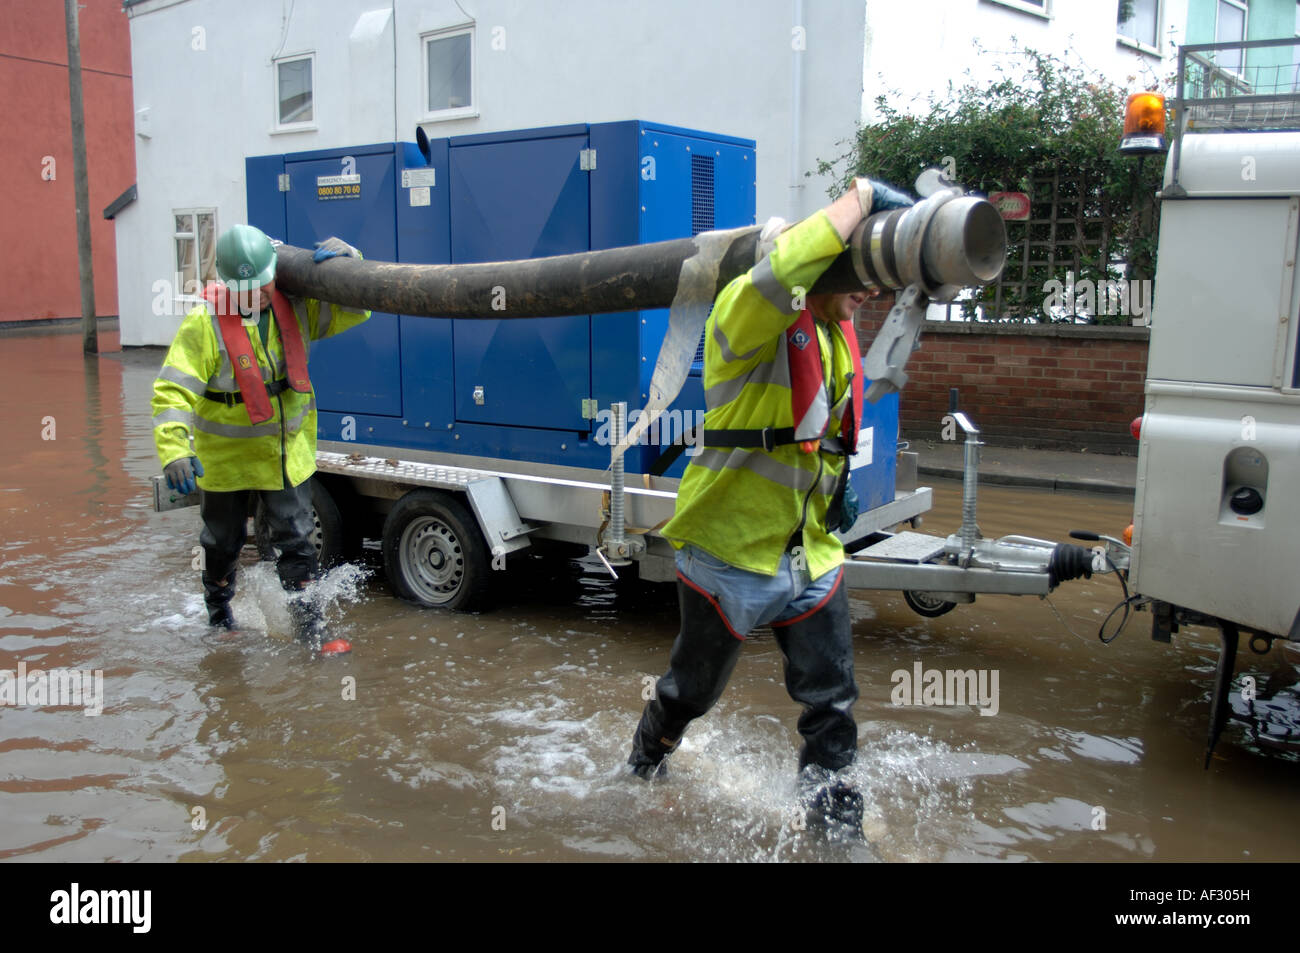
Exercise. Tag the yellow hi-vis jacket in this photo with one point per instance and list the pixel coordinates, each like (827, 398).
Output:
(235, 453)
(743, 505)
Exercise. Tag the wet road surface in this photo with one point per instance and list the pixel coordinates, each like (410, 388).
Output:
(501, 735)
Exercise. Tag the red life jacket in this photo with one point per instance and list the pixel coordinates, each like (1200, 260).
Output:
(243, 360)
(810, 404)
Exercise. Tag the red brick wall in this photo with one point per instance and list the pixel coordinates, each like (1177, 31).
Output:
(1058, 387)
(38, 227)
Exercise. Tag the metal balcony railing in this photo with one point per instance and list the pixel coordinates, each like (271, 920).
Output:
(1235, 87)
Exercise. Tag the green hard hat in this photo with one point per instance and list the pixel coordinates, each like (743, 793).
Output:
(245, 258)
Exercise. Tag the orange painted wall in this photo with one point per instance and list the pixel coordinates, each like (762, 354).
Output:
(38, 226)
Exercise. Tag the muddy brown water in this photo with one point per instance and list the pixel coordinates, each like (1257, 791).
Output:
(500, 736)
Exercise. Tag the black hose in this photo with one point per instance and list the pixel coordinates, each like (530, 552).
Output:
(608, 280)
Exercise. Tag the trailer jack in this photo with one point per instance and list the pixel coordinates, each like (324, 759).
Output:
(936, 574)
(616, 547)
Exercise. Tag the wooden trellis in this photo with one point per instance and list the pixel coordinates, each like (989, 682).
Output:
(1068, 235)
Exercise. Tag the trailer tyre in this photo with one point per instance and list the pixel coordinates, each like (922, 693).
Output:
(434, 554)
(352, 517)
(327, 537)
(927, 604)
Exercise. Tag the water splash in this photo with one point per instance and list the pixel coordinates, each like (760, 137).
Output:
(731, 793)
(262, 603)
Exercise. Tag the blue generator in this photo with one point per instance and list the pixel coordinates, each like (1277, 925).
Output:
(531, 389)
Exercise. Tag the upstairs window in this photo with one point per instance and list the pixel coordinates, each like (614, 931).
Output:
(449, 73)
(1139, 22)
(1039, 7)
(293, 91)
(1230, 27)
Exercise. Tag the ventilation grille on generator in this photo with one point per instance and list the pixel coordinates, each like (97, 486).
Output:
(698, 363)
(701, 194)
(701, 219)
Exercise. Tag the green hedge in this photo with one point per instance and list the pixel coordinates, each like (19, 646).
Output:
(1038, 116)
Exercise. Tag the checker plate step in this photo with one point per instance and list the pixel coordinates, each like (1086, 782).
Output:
(905, 547)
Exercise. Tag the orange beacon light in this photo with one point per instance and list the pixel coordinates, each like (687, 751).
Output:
(1144, 124)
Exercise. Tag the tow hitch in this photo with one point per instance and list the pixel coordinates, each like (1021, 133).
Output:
(936, 574)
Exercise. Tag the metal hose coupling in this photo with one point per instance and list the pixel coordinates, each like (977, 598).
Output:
(928, 252)
(942, 244)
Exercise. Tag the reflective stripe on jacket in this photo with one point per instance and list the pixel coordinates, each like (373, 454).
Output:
(237, 454)
(743, 505)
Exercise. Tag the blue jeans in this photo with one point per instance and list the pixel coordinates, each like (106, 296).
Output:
(747, 599)
(720, 605)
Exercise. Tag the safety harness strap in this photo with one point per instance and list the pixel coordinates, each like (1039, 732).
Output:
(234, 399)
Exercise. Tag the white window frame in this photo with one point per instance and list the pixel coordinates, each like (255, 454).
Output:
(1160, 22)
(456, 112)
(1044, 12)
(1295, 78)
(305, 125)
(1245, 32)
(183, 294)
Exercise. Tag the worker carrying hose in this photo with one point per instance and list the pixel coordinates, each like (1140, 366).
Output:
(235, 380)
(756, 506)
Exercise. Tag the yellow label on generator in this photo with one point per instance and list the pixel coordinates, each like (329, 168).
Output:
(338, 187)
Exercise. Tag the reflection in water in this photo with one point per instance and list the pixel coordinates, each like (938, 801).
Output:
(94, 435)
(501, 735)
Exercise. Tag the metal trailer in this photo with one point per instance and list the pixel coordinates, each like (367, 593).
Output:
(448, 522)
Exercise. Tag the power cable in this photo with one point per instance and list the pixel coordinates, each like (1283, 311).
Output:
(284, 32)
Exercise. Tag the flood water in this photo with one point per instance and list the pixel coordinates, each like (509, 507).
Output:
(501, 735)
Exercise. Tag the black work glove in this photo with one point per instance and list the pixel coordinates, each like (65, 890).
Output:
(842, 512)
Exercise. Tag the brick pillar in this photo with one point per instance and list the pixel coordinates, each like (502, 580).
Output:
(870, 317)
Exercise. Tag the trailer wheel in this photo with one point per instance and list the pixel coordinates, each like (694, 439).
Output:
(927, 604)
(327, 536)
(434, 554)
(352, 517)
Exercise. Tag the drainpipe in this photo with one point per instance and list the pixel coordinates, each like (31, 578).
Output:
(795, 212)
(392, 22)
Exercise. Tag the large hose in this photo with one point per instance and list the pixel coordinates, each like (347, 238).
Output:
(635, 278)
(960, 244)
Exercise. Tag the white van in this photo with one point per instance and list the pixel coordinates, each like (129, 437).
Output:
(1216, 534)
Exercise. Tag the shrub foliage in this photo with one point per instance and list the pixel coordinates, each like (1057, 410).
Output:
(1040, 121)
